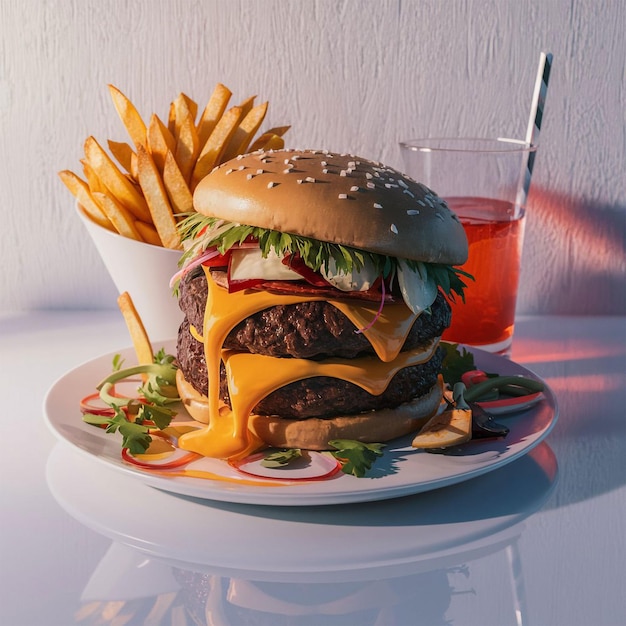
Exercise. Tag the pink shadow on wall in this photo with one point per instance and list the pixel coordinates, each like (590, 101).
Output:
(585, 243)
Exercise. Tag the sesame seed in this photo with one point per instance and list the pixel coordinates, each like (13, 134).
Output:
(259, 171)
(378, 206)
(310, 179)
(394, 229)
(401, 182)
(371, 186)
(270, 185)
(368, 175)
(412, 212)
(355, 188)
(286, 161)
(299, 181)
(343, 173)
(343, 196)
(230, 171)
(408, 192)
(324, 171)
(250, 176)
(421, 203)
(441, 217)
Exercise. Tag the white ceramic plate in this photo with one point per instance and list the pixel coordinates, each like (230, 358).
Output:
(401, 471)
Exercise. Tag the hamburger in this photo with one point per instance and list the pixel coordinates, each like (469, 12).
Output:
(314, 288)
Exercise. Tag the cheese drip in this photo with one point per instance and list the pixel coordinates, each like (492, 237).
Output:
(251, 379)
(367, 372)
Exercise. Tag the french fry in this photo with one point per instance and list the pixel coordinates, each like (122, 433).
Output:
(143, 197)
(160, 141)
(93, 210)
(246, 105)
(136, 329)
(187, 143)
(129, 115)
(267, 136)
(124, 155)
(273, 142)
(244, 133)
(215, 145)
(156, 197)
(120, 187)
(176, 186)
(148, 233)
(173, 122)
(80, 190)
(120, 217)
(213, 112)
(93, 182)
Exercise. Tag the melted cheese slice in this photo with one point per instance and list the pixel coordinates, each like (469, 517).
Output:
(253, 377)
(367, 372)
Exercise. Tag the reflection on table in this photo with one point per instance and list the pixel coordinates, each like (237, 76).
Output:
(414, 560)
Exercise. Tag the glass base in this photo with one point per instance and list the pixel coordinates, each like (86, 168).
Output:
(503, 348)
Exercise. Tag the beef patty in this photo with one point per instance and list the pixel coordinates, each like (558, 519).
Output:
(311, 330)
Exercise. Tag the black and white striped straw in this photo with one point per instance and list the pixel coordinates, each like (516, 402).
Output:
(534, 123)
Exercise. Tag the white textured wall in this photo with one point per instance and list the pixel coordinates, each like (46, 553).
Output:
(348, 75)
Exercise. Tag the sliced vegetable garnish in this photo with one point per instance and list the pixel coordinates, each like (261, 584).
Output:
(94, 405)
(176, 459)
(449, 428)
(484, 426)
(135, 417)
(511, 404)
(301, 466)
(508, 385)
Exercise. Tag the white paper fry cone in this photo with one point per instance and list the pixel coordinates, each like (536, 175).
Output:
(144, 271)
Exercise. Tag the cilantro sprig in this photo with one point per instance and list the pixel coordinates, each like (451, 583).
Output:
(200, 232)
(132, 418)
(356, 458)
(456, 362)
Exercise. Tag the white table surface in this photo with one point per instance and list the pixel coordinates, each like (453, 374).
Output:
(541, 541)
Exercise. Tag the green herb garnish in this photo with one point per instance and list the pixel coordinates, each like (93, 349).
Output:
(200, 232)
(281, 458)
(356, 458)
(134, 419)
(456, 362)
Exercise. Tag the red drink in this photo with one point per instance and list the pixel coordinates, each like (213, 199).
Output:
(495, 231)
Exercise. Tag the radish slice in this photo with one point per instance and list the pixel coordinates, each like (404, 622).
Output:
(94, 405)
(177, 459)
(311, 466)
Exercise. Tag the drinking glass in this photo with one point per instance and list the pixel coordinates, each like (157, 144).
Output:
(482, 180)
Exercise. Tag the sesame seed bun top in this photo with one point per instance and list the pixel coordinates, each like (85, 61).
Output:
(336, 198)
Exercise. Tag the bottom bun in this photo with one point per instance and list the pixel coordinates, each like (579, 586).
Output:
(315, 433)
